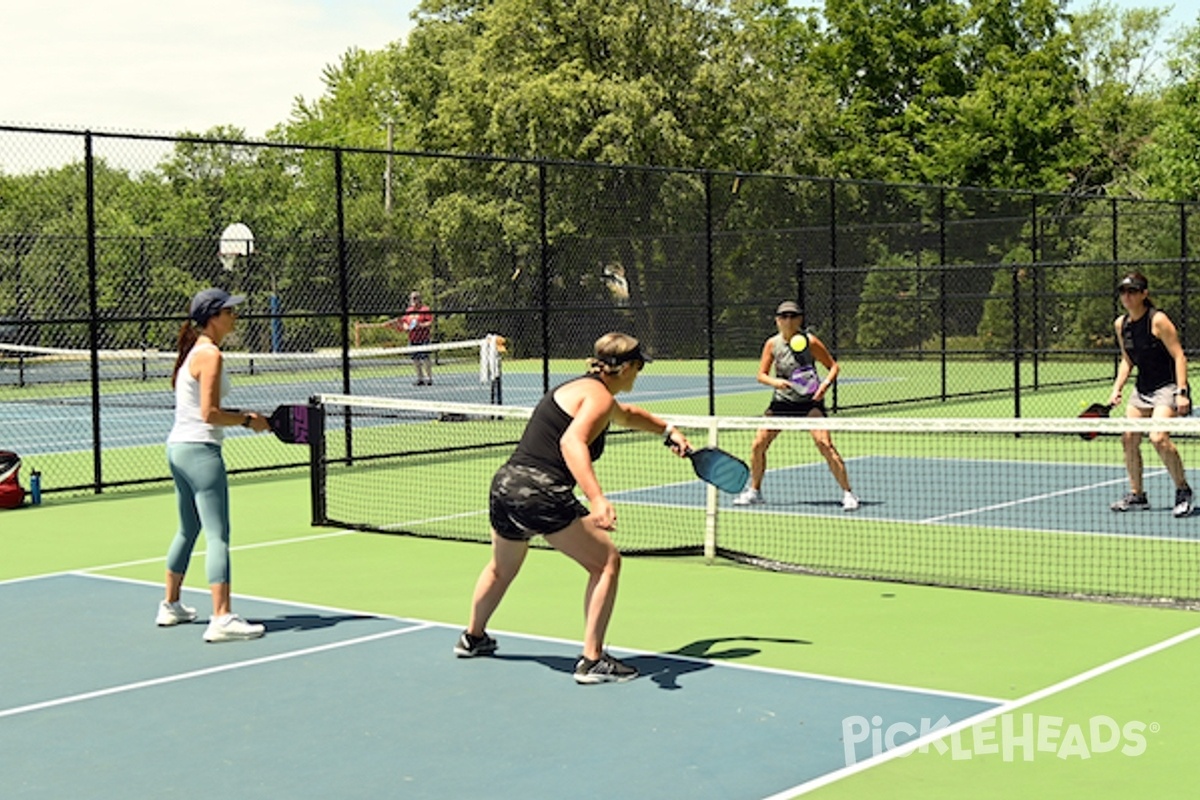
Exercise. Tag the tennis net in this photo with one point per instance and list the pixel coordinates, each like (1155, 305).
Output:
(1013, 505)
(463, 371)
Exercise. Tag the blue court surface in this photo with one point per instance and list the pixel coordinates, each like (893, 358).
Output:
(1032, 496)
(97, 702)
(137, 419)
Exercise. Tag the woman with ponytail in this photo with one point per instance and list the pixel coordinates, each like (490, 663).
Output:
(198, 467)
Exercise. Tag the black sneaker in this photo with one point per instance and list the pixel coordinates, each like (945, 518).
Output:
(469, 646)
(605, 669)
(1132, 502)
(1183, 502)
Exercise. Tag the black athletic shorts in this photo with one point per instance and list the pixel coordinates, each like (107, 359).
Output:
(526, 501)
(784, 408)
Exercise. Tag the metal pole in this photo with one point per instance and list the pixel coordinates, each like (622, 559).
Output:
(544, 278)
(942, 307)
(387, 171)
(93, 309)
(710, 298)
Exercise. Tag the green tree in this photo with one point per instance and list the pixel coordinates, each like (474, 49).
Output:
(1014, 127)
(1169, 164)
(897, 69)
(1119, 95)
(894, 310)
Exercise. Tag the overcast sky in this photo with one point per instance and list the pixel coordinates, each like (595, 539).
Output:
(165, 66)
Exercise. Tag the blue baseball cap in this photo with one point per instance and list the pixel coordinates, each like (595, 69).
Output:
(210, 302)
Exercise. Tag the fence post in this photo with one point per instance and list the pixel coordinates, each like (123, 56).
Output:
(710, 296)
(1034, 293)
(1115, 216)
(544, 277)
(942, 287)
(1183, 270)
(833, 265)
(343, 292)
(89, 177)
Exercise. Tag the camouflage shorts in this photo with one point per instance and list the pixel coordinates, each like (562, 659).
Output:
(526, 501)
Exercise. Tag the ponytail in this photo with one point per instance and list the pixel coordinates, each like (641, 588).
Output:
(187, 340)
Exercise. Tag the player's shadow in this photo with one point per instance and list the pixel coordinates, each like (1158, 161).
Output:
(831, 504)
(703, 648)
(557, 663)
(666, 671)
(310, 622)
(698, 656)
(662, 669)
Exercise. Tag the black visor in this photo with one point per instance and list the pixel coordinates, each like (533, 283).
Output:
(635, 354)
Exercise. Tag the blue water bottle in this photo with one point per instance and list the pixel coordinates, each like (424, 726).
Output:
(35, 488)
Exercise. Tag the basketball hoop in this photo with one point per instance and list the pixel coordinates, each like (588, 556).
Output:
(236, 241)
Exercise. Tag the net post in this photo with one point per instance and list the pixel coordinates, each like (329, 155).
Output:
(711, 504)
(316, 462)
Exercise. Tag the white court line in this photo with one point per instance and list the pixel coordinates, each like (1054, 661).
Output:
(199, 673)
(426, 624)
(797, 511)
(1032, 499)
(234, 548)
(257, 598)
(934, 736)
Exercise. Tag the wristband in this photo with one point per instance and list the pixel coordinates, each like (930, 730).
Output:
(667, 432)
(246, 420)
(1183, 391)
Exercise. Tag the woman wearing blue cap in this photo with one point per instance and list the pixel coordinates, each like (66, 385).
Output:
(198, 468)
(534, 493)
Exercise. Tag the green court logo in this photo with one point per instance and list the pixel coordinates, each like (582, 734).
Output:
(1011, 737)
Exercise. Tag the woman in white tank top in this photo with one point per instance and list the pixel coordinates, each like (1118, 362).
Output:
(198, 467)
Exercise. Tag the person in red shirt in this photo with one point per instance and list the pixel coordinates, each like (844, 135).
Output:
(418, 322)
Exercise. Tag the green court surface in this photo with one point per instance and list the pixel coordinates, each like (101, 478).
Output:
(1066, 673)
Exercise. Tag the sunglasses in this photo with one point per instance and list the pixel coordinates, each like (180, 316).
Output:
(1130, 290)
(788, 315)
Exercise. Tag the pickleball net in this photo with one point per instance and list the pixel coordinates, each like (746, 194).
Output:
(1011, 505)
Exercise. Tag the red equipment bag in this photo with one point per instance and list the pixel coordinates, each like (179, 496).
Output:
(11, 492)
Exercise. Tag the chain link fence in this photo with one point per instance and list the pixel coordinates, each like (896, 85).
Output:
(925, 294)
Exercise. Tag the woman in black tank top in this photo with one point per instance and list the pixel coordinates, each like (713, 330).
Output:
(534, 493)
(1149, 341)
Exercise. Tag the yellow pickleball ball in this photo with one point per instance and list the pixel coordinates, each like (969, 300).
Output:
(798, 342)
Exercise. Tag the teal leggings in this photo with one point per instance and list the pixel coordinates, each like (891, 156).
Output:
(202, 494)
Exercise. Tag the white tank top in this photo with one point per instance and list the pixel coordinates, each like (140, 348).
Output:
(189, 425)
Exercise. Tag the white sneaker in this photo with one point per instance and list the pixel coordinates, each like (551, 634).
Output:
(750, 497)
(232, 628)
(849, 502)
(1183, 502)
(173, 614)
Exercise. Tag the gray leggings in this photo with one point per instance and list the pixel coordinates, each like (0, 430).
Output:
(202, 494)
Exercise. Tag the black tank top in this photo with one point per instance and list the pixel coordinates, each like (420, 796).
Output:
(1155, 366)
(540, 444)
